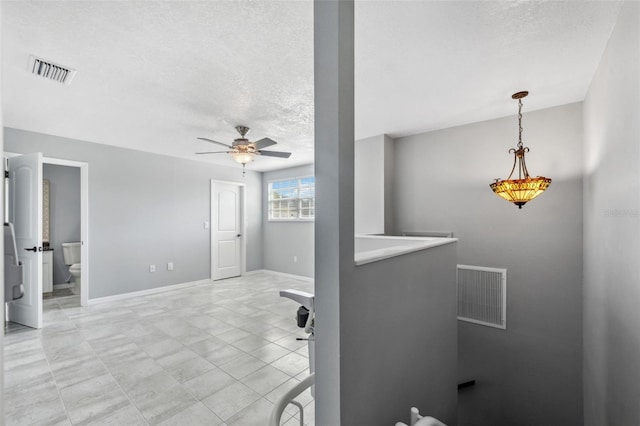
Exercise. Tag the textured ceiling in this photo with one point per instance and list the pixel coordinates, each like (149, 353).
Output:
(153, 76)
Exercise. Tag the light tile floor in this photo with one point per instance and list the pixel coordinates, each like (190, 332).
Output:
(214, 354)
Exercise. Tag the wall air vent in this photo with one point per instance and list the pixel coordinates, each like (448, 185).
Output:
(482, 295)
(51, 71)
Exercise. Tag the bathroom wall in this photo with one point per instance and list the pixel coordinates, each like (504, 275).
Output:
(531, 373)
(64, 213)
(285, 239)
(612, 230)
(147, 209)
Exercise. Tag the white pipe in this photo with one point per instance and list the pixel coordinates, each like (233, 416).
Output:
(285, 399)
(429, 421)
(418, 420)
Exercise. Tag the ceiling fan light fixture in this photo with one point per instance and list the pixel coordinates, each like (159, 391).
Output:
(244, 151)
(243, 157)
(524, 189)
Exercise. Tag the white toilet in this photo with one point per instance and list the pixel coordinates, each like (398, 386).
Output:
(71, 253)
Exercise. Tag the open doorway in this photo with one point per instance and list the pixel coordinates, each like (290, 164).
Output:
(61, 234)
(30, 202)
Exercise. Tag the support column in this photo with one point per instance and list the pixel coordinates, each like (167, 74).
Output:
(2, 305)
(334, 229)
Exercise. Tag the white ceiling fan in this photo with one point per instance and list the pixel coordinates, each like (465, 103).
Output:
(243, 150)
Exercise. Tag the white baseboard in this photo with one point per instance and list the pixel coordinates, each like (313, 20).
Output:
(280, 274)
(64, 285)
(147, 292)
(255, 272)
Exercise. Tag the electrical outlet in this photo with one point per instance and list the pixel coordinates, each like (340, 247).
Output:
(152, 268)
(295, 259)
(170, 266)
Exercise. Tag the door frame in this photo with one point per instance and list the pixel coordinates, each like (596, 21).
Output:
(242, 188)
(84, 217)
(84, 221)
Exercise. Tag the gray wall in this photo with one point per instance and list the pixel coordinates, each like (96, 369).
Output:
(373, 185)
(373, 207)
(357, 369)
(529, 374)
(334, 129)
(389, 185)
(612, 231)
(64, 213)
(146, 209)
(399, 339)
(285, 239)
(368, 185)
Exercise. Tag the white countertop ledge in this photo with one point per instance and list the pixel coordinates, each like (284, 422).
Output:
(373, 248)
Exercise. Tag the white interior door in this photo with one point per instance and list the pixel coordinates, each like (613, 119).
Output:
(226, 230)
(25, 212)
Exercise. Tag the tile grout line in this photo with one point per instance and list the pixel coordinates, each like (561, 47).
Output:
(114, 379)
(231, 306)
(198, 401)
(46, 357)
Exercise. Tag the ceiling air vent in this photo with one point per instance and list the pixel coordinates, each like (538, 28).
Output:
(51, 71)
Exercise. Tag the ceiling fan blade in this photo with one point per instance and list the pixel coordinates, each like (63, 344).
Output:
(275, 154)
(264, 142)
(213, 152)
(212, 141)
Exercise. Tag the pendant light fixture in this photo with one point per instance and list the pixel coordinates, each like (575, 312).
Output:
(525, 188)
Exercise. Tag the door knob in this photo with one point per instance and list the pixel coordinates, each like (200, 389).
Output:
(239, 235)
(34, 249)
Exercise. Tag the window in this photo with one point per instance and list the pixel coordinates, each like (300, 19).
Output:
(292, 199)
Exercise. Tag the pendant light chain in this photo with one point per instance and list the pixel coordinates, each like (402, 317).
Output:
(525, 188)
(519, 123)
